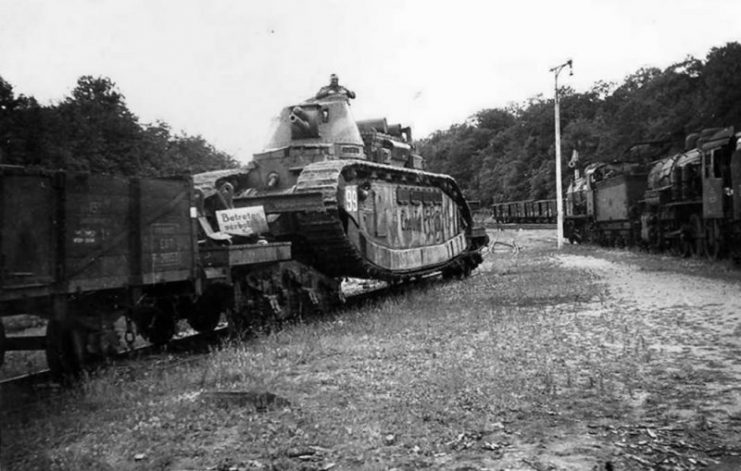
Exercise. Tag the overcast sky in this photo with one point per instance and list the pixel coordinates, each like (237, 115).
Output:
(223, 69)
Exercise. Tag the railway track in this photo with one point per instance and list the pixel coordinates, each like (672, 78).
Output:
(21, 391)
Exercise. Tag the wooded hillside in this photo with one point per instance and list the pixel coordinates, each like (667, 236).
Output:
(93, 130)
(506, 154)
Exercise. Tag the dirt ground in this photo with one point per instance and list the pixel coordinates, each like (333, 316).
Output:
(578, 359)
(684, 317)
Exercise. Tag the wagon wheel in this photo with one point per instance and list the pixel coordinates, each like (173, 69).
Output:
(697, 235)
(2, 343)
(678, 246)
(713, 239)
(619, 241)
(684, 248)
(693, 237)
(573, 234)
(65, 348)
(156, 323)
(207, 311)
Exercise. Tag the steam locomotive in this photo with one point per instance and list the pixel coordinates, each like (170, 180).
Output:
(687, 203)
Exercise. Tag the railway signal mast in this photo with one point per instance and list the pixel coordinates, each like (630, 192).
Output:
(559, 192)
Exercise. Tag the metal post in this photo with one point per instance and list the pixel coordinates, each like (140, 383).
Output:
(559, 192)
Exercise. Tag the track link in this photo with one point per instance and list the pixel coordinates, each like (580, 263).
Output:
(334, 253)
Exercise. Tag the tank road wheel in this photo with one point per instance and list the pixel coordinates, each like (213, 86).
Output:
(65, 348)
(156, 323)
(713, 239)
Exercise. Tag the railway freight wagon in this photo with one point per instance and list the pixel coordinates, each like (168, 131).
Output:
(86, 250)
(79, 249)
(528, 212)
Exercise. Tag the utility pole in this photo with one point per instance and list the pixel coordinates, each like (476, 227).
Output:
(559, 192)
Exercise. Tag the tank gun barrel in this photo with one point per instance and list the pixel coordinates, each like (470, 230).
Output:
(300, 119)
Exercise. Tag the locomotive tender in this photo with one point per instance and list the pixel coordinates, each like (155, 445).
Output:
(329, 198)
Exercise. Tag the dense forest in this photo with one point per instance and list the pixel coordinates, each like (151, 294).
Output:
(506, 154)
(92, 130)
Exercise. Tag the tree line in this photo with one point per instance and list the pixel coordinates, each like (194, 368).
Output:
(507, 154)
(93, 130)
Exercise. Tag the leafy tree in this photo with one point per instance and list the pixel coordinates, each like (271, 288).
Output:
(94, 130)
(506, 154)
(721, 75)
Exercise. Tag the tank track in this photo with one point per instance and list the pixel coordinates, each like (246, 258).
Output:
(329, 249)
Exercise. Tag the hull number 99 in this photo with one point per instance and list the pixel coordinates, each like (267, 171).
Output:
(351, 198)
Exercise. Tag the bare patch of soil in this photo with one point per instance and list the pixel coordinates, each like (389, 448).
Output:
(689, 328)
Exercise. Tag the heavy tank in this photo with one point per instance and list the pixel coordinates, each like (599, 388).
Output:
(351, 196)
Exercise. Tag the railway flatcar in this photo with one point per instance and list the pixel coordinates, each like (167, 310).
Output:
(328, 198)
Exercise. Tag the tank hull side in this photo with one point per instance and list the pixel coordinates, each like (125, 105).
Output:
(386, 222)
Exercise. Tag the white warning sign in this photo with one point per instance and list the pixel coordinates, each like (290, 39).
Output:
(242, 221)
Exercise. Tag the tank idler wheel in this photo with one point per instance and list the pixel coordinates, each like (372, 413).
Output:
(2, 343)
(65, 348)
(155, 324)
